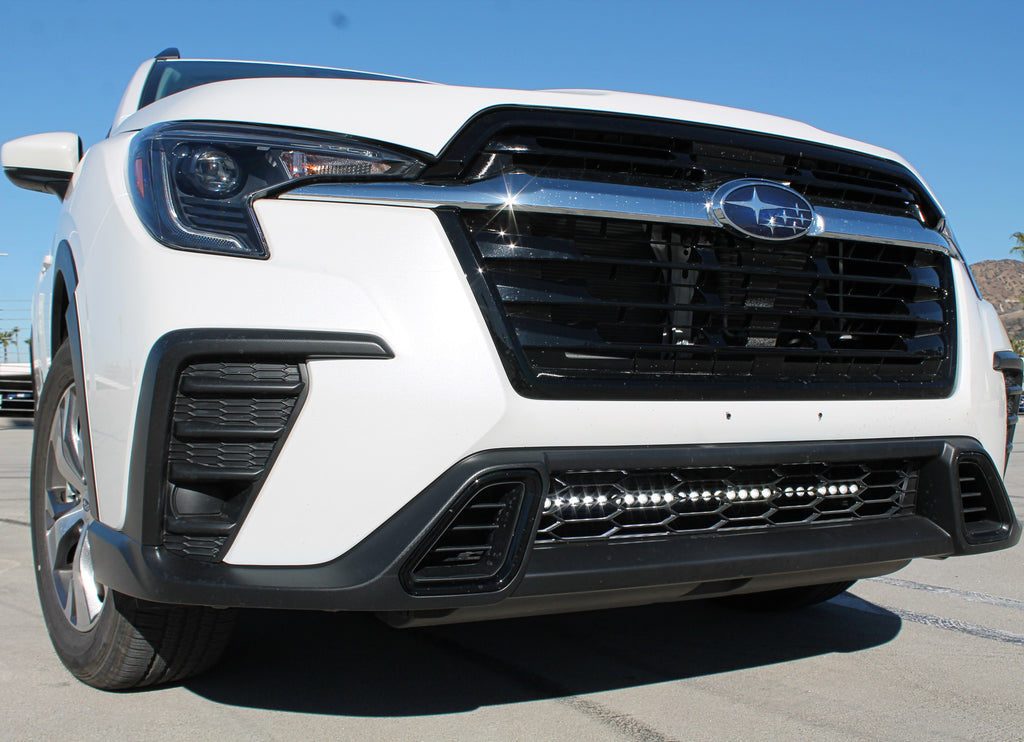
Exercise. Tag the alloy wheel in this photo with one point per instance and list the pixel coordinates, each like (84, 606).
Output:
(68, 517)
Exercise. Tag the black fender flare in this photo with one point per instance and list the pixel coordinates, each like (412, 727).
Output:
(64, 326)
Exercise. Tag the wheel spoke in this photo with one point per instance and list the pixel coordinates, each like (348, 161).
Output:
(66, 444)
(68, 521)
(64, 583)
(88, 599)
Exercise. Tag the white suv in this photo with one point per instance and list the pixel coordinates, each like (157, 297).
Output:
(320, 339)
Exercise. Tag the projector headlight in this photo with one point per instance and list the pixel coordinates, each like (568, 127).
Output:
(193, 183)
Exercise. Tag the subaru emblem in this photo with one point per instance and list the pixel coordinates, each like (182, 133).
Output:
(763, 209)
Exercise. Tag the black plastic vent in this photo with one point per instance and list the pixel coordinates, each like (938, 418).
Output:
(229, 421)
(982, 518)
(478, 548)
(618, 504)
(695, 312)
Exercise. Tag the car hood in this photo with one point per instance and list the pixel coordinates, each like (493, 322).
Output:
(425, 116)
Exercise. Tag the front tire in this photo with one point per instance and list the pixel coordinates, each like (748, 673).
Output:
(107, 640)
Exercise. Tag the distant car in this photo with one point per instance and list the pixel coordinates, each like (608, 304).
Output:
(16, 394)
(321, 339)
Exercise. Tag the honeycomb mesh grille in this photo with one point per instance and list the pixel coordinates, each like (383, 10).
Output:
(618, 504)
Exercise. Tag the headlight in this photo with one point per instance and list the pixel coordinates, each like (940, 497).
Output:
(193, 183)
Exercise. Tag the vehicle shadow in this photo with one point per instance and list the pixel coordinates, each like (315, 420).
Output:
(352, 665)
(16, 420)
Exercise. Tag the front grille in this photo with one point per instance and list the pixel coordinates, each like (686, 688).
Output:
(620, 504)
(229, 420)
(676, 155)
(699, 311)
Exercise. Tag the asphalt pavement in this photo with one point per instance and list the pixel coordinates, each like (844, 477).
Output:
(935, 651)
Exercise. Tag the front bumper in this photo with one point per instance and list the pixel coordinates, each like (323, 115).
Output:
(374, 576)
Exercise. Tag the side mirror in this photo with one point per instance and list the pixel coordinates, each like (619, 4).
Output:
(42, 162)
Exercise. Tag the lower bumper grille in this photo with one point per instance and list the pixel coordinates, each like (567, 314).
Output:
(588, 505)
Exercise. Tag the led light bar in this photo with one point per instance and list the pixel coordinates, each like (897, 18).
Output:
(749, 493)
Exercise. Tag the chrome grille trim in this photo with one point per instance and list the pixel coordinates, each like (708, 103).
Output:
(520, 192)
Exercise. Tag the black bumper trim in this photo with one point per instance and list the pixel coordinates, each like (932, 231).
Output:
(367, 578)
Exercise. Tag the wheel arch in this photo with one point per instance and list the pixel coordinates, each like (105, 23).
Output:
(64, 327)
(64, 311)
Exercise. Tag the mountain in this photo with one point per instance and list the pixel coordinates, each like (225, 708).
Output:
(1001, 282)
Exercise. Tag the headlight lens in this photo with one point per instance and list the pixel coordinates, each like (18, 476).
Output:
(193, 183)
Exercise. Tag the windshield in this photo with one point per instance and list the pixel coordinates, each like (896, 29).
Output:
(170, 76)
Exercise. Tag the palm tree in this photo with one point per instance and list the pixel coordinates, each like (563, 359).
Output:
(14, 339)
(1018, 246)
(5, 339)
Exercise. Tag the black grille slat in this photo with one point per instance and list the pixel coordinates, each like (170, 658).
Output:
(520, 296)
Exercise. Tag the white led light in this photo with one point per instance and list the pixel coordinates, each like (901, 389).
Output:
(667, 497)
(822, 490)
(628, 499)
(741, 494)
(547, 503)
(588, 500)
(705, 495)
(574, 500)
(789, 491)
(833, 490)
(601, 499)
(642, 499)
(843, 489)
(853, 489)
(744, 493)
(655, 499)
(730, 495)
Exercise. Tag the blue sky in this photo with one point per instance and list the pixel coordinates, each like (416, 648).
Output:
(940, 82)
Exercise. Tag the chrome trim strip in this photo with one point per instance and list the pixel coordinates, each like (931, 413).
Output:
(528, 194)
(892, 230)
(525, 193)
